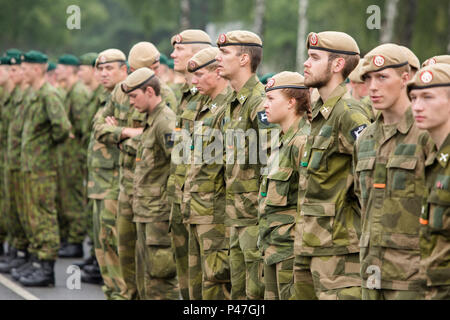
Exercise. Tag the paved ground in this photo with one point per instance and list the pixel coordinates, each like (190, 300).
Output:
(65, 279)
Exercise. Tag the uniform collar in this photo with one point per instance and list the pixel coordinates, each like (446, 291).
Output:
(443, 155)
(292, 131)
(151, 116)
(325, 108)
(404, 124)
(246, 90)
(214, 104)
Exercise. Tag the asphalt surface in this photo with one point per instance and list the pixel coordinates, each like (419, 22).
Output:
(67, 286)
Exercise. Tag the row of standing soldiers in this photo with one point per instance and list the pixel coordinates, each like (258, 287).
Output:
(331, 206)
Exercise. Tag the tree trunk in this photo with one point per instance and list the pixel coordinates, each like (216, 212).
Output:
(301, 34)
(388, 28)
(260, 9)
(185, 22)
(409, 23)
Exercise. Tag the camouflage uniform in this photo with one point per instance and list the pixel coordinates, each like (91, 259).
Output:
(277, 210)
(328, 226)
(203, 204)
(119, 107)
(245, 112)
(175, 183)
(169, 96)
(73, 168)
(389, 163)
(435, 225)
(45, 125)
(4, 95)
(103, 191)
(17, 222)
(156, 272)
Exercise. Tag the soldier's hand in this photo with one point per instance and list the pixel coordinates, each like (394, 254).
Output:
(111, 121)
(131, 132)
(71, 135)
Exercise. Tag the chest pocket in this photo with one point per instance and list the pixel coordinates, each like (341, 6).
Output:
(401, 176)
(278, 187)
(364, 169)
(439, 216)
(318, 150)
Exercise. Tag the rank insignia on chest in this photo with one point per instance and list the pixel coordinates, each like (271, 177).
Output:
(262, 116)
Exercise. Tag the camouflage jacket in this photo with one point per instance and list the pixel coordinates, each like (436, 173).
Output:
(14, 139)
(150, 203)
(127, 117)
(184, 124)
(244, 116)
(278, 195)
(45, 125)
(389, 162)
(76, 103)
(103, 163)
(7, 114)
(169, 96)
(435, 219)
(96, 101)
(329, 219)
(204, 188)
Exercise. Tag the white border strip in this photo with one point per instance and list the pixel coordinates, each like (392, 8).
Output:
(17, 289)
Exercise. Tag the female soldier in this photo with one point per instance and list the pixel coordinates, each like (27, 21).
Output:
(287, 104)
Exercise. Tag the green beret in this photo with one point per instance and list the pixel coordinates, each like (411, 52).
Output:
(5, 60)
(16, 53)
(163, 59)
(34, 56)
(88, 59)
(69, 60)
(266, 77)
(51, 66)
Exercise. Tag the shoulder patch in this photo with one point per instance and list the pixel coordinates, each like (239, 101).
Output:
(262, 117)
(168, 138)
(357, 131)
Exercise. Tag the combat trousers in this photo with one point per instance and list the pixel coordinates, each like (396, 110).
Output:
(3, 228)
(105, 245)
(246, 264)
(387, 294)
(333, 277)
(180, 242)
(437, 293)
(40, 210)
(89, 215)
(278, 280)
(126, 235)
(209, 267)
(15, 219)
(156, 275)
(72, 193)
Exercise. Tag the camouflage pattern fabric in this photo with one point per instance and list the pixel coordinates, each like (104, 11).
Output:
(389, 162)
(435, 225)
(278, 280)
(169, 96)
(179, 231)
(328, 223)
(203, 204)
(74, 167)
(45, 125)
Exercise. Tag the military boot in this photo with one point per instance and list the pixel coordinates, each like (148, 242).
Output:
(91, 274)
(2, 250)
(20, 258)
(71, 250)
(41, 275)
(24, 269)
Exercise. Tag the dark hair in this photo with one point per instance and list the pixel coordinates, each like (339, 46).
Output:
(154, 83)
(303, 100)
(255, 54)
(351, 61)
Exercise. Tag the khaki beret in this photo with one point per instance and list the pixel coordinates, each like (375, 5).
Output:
(355, 76)
(202, 59)
(436, 75)
(191, 36)
(437, 59)
(137, 79)
(385, 56)
(286, 80)
(413, 61)
(143, 54)
(110, 55)
(332, 41)
(239, 38)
